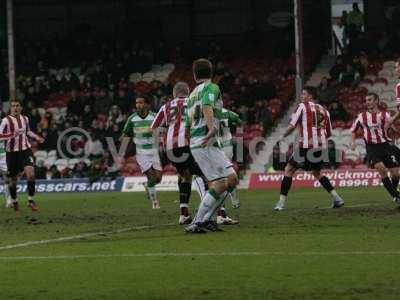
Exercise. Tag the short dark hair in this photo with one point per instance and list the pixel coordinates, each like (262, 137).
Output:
(145, 98)
(311, 90)
(375, 95)
(202, 68)
(15, 100)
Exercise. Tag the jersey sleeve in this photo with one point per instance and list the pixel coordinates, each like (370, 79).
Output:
(5, 132)
(233, 118)
(295, 118)
(128, 128)
(356, 124)
(159, 119)
(210, 95)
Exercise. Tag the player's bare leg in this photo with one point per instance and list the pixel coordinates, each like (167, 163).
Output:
(30, 176)
(286, 184)
(153, 178)
(387, 183)
(185, 189)
(337, 201)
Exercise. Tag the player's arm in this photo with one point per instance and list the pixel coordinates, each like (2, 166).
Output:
(32, 134)
(4, 134)
(389, 123)
(294, 119)
(127, 131)
(159, 120)
(353, 130)
(233, 119)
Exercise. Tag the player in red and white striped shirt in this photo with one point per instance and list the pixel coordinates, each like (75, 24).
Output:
(380, 154)
(172, 115)
(397, 89)
(19, 154)
(314, 124)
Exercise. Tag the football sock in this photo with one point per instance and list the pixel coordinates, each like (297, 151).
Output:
(151, 188)
(220, 201)
(206, 205)
(389, 187)
(200, 186)
(395, 182)
(326, 184)
(184, 207)
(31, 189)
(235, 198)
(13, 191)
(286, 185)
(6, 189)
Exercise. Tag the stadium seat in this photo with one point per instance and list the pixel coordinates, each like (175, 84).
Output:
(61, 164)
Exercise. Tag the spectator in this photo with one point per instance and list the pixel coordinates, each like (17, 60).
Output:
(53, 173)
(326, 93)
(115, 117)
(123, 100)
(338, 68)
(349, 77)
(345, 26)
(46, 120)
(75, 105)
(337, 112)
(266, 88)
(94, 148)
(355, 21)
(102, 102)
(80, 170)
(69, 81)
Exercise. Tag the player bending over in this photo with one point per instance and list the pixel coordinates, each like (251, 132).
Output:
(204, 111)
(138, 126)
(19, 156)
(380, 154)
(314, 123)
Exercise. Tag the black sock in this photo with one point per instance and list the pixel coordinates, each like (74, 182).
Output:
(31, 188)
(326, 184)
(389, 187)
(395, 182)
(185, 189)
(13, 191)
(285, 185)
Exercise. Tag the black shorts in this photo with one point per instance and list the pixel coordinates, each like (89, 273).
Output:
(308, 159)
(184, 160)
(386, 153)
(18, 160)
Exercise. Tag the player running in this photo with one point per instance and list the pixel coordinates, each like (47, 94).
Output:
(138, 126)
(19, 156)
(380, 154)
(204, 113)
(314, 123)
(173, 116)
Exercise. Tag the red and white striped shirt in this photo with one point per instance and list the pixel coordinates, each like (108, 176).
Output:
(373, 126)
(397, 91)
(173, 116)
(11, 124)
(314, 123)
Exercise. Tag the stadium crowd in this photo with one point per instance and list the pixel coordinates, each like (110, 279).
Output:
(91, 85)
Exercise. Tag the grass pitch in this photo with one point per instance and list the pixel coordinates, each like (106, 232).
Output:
(128, 251)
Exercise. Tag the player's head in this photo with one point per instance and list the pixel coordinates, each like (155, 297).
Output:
(202, 69)
(142, 104)
(397, 67)
(15, 107)
(372, 101)
(181, 89)
(308, 94)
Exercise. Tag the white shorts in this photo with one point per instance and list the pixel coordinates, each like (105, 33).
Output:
(3, 164)
(213, 163)
(148, 160)
(228, 150)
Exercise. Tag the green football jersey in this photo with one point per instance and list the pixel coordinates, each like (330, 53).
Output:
(229, 119)
(206, 93)
(140, 129)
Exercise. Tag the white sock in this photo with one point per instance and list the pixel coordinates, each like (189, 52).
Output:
(152, 193)
(208, 216)
(235, 198)
(282, 200)
(334, 194)
(7, 193)
(200, 186)
(206, 207)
